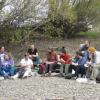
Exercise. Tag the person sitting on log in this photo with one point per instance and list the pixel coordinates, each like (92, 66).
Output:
(65, 60)
(51, 61)
(78, 66)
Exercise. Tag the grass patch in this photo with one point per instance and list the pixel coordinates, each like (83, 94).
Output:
(90, 34)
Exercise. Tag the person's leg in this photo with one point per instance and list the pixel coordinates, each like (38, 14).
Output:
(47, 68)
(50, 68)
(70, 68)
(3, 71)
(61, 69)
(27, 73)
(66, 69)
(83, 71)
(37, 61)
(12, 71)
(19, 73)
(94, 73)
(87, 72)
(77, 70)
(15, 76)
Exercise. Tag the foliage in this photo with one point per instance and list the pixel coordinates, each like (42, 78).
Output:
(65, 18)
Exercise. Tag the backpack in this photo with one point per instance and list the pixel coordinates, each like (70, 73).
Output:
(41, 68)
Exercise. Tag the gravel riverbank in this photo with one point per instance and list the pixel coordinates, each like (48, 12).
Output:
(47, 88)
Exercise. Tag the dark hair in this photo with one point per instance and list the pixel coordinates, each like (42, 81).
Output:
(78, 52)
(89, 59)
(63, 50)
(26, 54)
(81, 54)
(63, 47)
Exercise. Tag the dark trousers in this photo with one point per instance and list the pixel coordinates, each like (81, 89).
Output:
(50, 67)
(78, 70)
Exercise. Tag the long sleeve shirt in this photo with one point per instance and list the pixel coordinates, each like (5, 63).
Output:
(8, 63)
(82, 61)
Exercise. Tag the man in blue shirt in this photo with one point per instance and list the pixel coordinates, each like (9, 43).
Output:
(78, 66)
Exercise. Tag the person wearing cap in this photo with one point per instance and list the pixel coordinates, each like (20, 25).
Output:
(92, 53)
(95, 56)
(26, 65)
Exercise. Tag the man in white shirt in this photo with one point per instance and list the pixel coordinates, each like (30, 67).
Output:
(26, 65)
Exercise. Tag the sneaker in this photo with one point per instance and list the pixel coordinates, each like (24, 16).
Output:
(14, 77)
(1, 78)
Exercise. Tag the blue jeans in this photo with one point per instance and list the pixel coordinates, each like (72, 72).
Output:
(7, 71)
(37, 61)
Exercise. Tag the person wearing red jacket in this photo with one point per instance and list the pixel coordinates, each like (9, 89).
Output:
(65, 60)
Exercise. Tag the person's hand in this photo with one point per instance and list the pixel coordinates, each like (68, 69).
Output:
(30, 56)
(75, 64)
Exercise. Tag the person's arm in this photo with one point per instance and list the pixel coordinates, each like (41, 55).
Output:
(56, 58)
(82, 62)
(35, 55)
(31, 64)
(11, 62)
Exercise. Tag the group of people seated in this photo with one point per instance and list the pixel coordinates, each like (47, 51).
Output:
(81, 65)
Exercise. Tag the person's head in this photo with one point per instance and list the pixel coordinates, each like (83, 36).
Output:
(91, 49)
(63, 47)
(6, 57)
(26, 56)
(32, 46)
(51, 50)
(63, 50)
(87, 43)
(77, 53)
(10, 55)
(81, 55)
(2, 49)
